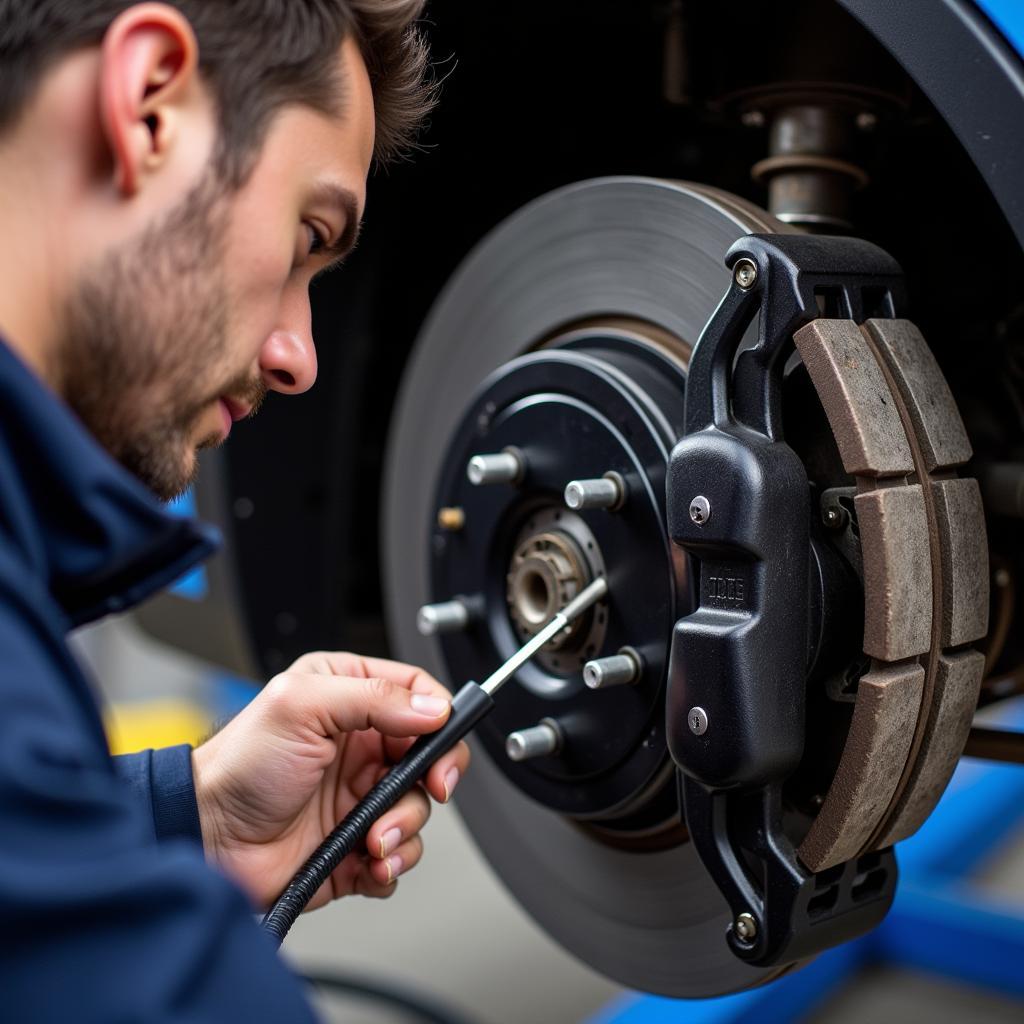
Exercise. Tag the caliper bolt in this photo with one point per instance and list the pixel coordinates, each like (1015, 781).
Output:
(446, 617)
(745, 273)
(834, 517)
(746, 927)
(608, 492)
(616, 670)
(700, 510)
(500, 468)
(697, 719)
(537, 741)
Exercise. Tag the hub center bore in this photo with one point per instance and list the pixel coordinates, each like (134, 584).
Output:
(545, 575)
(548, 568)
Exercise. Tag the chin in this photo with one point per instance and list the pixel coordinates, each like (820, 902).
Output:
(176, 485)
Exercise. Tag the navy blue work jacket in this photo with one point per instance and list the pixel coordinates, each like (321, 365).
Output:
(108, 912)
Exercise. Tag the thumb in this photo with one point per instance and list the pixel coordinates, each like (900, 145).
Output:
(343, 704)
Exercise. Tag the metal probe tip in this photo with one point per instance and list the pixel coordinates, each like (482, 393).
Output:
(587, 597)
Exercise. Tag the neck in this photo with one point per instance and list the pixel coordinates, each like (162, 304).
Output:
(28, 300)
(41, 176)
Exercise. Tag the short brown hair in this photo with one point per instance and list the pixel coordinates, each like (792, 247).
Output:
(256, 56)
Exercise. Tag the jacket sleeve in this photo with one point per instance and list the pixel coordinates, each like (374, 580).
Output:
(161, 781)
(102, 920)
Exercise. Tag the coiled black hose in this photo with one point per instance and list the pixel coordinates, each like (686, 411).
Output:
(469, 705)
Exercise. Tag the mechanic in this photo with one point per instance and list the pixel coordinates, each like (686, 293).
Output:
(173, 177)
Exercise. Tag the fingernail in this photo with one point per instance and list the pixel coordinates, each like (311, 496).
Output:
(389, 841)
(451, 780)
(433, 707)
(394, 867)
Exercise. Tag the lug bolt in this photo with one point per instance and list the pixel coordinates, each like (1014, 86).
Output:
(446, 617)
(745, 273)
(500, 468)
(697, 720)
(745, 927)
(537, 741)
(451, 519)
(616, 670)
(700, 510)
(607, 492)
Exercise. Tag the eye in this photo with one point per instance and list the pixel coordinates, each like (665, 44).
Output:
(317, 240)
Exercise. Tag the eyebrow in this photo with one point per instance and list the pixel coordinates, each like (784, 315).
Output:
(345, 201)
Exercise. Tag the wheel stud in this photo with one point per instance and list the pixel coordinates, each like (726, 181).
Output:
(537, 741)
(505, 467)
(446, 617)
(616, 670)
(607, 492)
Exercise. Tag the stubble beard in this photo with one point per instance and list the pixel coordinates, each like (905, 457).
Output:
(145, 336)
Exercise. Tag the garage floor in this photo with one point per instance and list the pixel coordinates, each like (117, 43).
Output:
(452, 932)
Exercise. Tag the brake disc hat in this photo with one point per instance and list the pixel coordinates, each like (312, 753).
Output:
(640, 249)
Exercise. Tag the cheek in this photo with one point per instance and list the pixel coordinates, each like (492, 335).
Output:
(258, 293)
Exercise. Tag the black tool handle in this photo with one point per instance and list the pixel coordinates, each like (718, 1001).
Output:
(469, 705)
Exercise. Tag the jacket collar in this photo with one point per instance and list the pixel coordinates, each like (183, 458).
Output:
(88, 529)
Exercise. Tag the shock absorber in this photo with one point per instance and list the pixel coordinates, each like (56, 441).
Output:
(810, 172)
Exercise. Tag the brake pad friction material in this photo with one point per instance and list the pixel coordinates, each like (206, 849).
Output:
(874, 755)
(937, 425)
(856, 399)
(957, 684)
(894, 543)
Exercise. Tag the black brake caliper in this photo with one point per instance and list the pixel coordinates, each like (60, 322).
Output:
(739, 503)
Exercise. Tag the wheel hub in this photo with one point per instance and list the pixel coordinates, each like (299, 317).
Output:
(589, 403)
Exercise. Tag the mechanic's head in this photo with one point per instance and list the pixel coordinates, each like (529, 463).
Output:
(172, 176)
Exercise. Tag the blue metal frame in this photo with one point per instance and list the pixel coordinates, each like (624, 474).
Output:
(939, 922)
(1008, 17)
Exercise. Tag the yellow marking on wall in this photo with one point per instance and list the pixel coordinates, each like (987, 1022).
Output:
(156, 723)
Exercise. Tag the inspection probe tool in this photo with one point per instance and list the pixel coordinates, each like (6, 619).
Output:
(469, 706)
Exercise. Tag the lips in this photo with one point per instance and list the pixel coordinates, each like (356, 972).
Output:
(226, 416)
(236, 410)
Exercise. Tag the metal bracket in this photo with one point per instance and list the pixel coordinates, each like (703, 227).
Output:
(739, 503)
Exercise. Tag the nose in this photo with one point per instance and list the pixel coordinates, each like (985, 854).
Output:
(288, 362)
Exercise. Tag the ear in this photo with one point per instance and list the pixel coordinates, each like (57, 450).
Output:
(149, 67)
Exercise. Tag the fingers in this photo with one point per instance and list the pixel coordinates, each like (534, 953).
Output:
(403, 821)
(379, 874)
(367, 885)
(354, 877)
(335, 704)
(393, 847)
(343, 663)
(444, 775)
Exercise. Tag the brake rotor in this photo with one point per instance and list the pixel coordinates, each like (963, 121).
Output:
(608, 284)
(636, 250)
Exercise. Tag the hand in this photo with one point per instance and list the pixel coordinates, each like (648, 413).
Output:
(282, 774)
